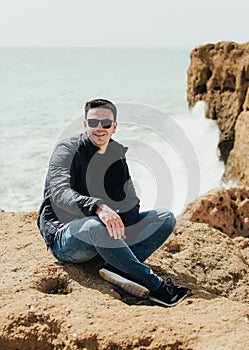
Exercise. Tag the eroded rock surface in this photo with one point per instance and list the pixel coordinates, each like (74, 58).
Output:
(48, 305)
(224, 209)
(219, 75)
(237, 167)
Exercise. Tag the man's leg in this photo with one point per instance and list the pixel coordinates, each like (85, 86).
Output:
(152, 230)
(70, 249)
(81, 240)
(155, 228)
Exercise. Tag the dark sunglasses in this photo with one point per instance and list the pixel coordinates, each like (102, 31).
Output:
(105, 123)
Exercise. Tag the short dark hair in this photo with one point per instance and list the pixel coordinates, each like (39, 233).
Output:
(101, 103)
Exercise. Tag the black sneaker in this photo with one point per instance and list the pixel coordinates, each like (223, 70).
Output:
(168, 294)
(121, 279)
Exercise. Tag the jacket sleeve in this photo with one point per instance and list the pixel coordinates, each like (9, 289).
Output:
(62, 195)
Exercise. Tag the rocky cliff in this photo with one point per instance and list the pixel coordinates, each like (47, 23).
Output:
(219, 75)
(47, 305)
(237, 167)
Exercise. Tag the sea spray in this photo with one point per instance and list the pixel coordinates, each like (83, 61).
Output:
(202, 134)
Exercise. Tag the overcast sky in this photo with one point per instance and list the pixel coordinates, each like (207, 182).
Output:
(122, 23)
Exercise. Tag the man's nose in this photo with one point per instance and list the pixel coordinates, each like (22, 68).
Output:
(99, 126)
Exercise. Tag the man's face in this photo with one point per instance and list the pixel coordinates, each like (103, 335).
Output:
(98, 135)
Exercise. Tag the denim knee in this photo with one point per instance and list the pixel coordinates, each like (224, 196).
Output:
(171, 221)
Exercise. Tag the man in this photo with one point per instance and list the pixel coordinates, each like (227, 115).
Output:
(90, 207)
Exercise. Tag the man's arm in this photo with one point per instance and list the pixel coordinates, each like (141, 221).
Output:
(62, 195)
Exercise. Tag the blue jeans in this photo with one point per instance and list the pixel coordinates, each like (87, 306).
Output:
(81, 240)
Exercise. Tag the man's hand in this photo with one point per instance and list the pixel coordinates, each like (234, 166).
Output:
(112, 221)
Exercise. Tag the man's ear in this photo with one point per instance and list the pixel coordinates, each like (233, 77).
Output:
(85, 124)
(115, 124)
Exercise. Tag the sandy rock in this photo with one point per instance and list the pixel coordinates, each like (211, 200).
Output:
(237, 167)
(219, 75)
(243, 244)
(208, 258)
(224, 209)
(48, 305)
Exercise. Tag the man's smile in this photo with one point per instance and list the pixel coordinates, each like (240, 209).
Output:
(100, 134)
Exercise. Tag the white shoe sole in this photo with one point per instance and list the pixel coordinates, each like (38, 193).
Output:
(129, 286)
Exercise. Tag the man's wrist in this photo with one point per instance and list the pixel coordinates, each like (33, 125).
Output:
(99, 208)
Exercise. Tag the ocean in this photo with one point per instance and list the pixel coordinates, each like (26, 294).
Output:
(172, 152)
